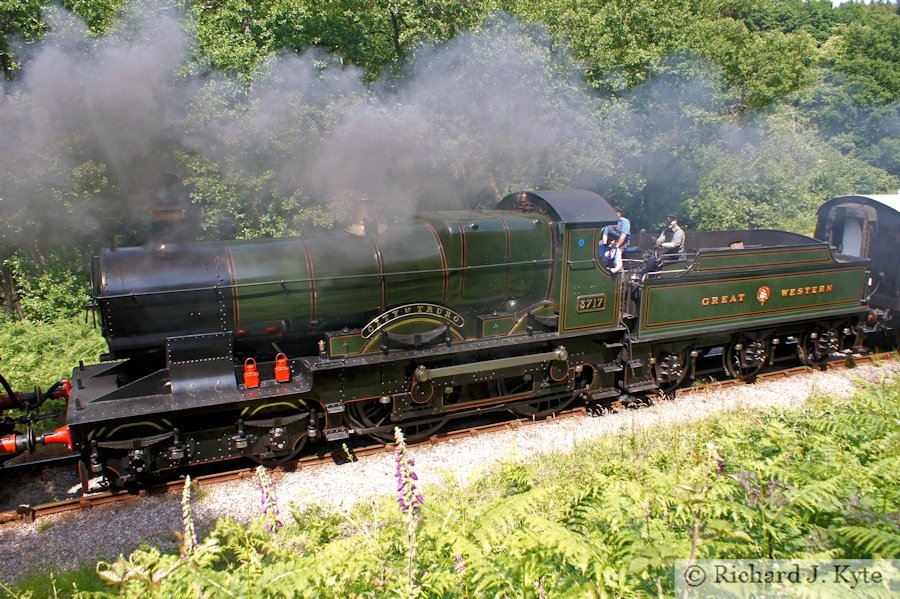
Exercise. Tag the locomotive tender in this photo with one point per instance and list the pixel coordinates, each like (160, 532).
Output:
(256, 348)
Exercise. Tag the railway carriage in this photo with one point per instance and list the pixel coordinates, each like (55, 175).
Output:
(868, 226)
(256, 348)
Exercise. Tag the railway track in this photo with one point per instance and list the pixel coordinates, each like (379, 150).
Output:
(345, 454)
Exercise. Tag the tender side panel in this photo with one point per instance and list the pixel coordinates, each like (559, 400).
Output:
(678, 306)
(762, 257)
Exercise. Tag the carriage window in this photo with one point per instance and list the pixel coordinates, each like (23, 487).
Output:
(851, 243)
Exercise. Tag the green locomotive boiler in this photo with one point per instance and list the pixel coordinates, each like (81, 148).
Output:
(257, 348)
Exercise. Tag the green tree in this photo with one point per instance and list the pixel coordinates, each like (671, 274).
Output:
(22, 19)
(238, 35)
(620, 40)
(758, 68)
(775, 175)
(98, 15)
(857, 105)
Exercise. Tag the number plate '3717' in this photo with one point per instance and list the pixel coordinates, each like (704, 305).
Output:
(591, 303)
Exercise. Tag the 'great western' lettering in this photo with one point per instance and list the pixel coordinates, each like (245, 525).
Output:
(715, 300)
(792, 291)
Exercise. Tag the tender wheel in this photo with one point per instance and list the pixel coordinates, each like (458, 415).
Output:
(371, 414)
(670, 370)
(743, 360)
(815, 347)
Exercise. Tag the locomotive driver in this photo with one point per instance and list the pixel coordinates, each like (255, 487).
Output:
(671, 240)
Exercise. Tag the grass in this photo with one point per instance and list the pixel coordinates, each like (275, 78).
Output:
(39, 353)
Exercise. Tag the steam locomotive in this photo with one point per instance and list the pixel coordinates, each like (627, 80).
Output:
(257, 348)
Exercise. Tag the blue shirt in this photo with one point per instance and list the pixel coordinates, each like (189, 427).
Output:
(623, 226)
(611, 257)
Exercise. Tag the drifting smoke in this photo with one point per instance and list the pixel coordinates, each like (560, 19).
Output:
(105, 119)
(91, 112)
(92, 128)
(481, 115)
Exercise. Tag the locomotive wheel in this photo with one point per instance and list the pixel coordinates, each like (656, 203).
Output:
(538, 408)
(297, 448)
(541, 408)
(298, 435)
(370, 414)
(115, 465)
(545, 406)
(744, 360)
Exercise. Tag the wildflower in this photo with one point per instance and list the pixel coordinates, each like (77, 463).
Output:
(459, 564)
(408, 497)
(189, 536)
(540, 587)
(410, 500)
(269, 503)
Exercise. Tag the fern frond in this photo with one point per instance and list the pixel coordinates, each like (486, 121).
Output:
(873, 541)
(816, 496)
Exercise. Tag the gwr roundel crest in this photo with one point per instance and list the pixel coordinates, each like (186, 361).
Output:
(763, 294)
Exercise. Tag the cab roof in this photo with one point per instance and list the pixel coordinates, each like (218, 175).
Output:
(575, 207)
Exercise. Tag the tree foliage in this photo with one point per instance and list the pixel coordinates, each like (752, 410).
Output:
(20, 19)
(238, 35)
(773, 175)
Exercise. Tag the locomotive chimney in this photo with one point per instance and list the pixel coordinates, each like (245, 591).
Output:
(365, 222)
(167, 229)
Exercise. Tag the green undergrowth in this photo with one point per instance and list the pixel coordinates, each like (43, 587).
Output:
(608, 518)
(41, 353)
